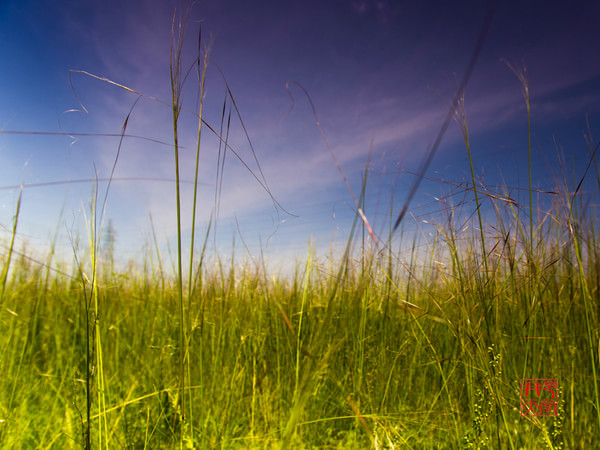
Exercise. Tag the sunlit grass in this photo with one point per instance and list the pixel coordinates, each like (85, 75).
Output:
(406, 353)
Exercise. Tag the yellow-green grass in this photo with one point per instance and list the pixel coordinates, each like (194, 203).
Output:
(408, 347)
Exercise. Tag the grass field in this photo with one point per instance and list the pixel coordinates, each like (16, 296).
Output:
(420, 344)
(409, 347)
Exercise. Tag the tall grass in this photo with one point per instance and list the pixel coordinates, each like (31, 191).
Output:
(412, 376)
(177, 80)
(376, 354)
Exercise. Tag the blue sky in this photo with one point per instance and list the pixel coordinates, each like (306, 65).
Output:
(381, 74)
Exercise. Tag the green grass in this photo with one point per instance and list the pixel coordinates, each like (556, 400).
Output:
(419, 344)
(334, 356)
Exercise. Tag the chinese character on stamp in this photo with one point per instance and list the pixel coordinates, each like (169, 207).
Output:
(539, 397)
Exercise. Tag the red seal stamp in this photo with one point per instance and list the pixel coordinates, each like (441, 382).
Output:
(539, 397)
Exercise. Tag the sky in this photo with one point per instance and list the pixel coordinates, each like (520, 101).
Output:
(381, 75)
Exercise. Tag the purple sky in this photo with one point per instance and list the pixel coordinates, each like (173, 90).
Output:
(384, 71)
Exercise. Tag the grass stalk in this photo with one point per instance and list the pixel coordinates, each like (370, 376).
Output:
(175, 65)
(462, 118)
(10, 249)
(305, 289)
(191, 277)
(575, 228)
